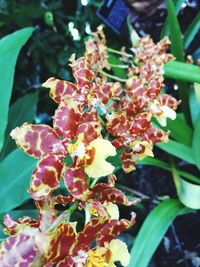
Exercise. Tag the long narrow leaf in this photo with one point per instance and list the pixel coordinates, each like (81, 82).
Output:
(166, 28)
(178, 150)
(9, 50)
(15, 173)
(192, 31)
(194, 106)
(163, 165)
(196, 143)
(153, 230)
(178, 52)
(182, 71)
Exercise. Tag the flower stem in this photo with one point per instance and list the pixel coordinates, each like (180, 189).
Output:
(119, 52)
(112, 76)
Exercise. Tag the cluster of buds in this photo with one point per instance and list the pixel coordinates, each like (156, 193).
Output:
(95, 119)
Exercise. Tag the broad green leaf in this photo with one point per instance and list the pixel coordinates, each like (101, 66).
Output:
(179, 150)
(182, 71)
(15, 173)
(166, 28)
(166, 166)
(196, 143)
(23, 110)
(185, 135)
(153, 230)
(189, 194)
(192, 30)
(9, 50)
(119, 72)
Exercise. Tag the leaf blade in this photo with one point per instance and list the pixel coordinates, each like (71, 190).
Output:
(23, 110)
(153, 230)
(10, 46)
(15, 179)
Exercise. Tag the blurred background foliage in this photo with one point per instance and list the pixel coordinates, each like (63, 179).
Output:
(61, 29)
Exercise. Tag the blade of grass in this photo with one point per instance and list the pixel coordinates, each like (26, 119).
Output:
(178, 51)
(153, 230)
(166, 29)
(192, 31)
(163, 165)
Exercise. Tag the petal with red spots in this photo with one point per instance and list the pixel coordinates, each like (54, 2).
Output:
(18, 250)
(85, 238)
(75, 180)
(112, 229)
(128, 164)
(61, 241)
(90, 130)
(66, 120)
(37, 140)
(154, 135)
(110, 194)
(60, 89)
(46, 176)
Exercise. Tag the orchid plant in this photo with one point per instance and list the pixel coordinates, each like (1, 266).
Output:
(98, 117)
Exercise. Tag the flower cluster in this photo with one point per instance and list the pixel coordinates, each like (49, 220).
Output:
(95, 119)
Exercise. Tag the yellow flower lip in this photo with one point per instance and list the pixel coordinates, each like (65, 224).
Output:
(99, 166)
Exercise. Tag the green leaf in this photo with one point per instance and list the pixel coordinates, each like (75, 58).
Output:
(166, 166)
(192, 31)
(117, 71)
(153, 230)
(175, 32)
(194, 106)
(197, 92)
(134, 37)
(179, 150)
(178, 51)
(9, 50)
(196, 143)
(15, 173)
(23, 110)
(182, 71)
(185, 135)
(166, 27)
(189, 194)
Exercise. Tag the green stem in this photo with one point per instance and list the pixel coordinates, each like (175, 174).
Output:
(119, 52)
(119, 66)
(112, 76)
(95, 180)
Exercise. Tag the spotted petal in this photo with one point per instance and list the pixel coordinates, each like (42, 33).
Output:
(18, 250)
(59, 89)
(128, 164)
(154, 135)
(46, 176)
(66, 119)
(75, 180)
(61, 240)
(37, 140)
(111, 194)
(112, 229)
(87, 235)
